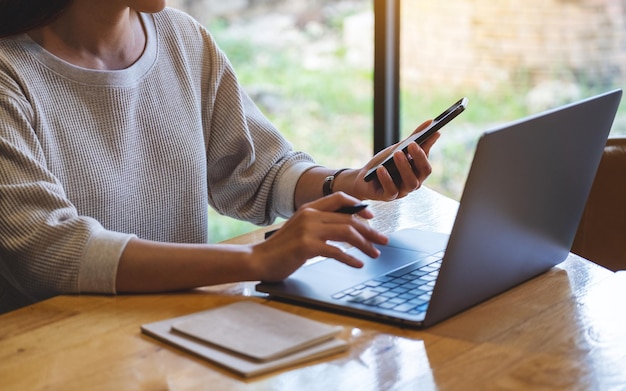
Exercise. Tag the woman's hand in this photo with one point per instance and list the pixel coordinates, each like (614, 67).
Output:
(306, 234)
(413, 168)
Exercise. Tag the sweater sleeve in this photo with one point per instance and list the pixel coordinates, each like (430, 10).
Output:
(46, 248)
(252, 169)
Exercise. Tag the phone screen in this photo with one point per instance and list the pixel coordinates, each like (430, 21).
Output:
(419, 138)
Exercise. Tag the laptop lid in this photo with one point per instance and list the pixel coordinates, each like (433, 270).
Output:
(523, 199)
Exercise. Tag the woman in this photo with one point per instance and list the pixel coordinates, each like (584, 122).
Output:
(120, 119)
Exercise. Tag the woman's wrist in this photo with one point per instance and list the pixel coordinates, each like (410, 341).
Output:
(328, 187)
(345, 181)
(312, 183)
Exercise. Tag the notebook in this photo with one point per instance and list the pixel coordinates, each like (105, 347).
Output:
(517, 218)
(249, 338)
(255, 331)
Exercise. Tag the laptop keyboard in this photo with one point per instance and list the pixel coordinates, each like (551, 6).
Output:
(406, 290)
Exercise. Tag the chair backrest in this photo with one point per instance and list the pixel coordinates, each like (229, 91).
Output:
(601, 235)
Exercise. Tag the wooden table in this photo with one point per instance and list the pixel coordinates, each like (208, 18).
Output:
(565, 329)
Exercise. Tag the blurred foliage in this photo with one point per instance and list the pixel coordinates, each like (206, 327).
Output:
(327, 112)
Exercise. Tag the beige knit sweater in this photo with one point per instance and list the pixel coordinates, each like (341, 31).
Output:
(90, 159)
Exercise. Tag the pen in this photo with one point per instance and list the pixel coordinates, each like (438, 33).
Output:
(346, 210)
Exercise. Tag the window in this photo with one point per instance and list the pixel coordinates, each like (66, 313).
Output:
(510, 58)
(309, 66)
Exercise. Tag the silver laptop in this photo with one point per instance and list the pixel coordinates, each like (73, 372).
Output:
(518, 215)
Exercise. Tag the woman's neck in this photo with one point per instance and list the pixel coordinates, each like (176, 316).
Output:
(94, 36)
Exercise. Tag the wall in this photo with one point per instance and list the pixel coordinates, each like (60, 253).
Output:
(547, 46)
(484, 42)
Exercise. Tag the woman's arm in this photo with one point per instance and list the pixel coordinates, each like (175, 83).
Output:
(147, 266)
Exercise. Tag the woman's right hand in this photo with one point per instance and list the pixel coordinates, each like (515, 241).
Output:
(306, 234)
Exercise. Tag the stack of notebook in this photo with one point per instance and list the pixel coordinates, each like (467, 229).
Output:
(249, 338)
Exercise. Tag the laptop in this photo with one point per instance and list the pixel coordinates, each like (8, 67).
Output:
(517, 218)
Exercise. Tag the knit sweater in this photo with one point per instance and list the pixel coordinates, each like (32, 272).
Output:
(90, 159)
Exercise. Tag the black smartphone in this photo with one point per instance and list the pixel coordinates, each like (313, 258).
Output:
(419, 138)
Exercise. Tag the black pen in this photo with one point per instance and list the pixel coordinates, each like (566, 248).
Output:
(346, 210)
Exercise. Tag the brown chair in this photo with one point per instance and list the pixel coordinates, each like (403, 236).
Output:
(601, 235)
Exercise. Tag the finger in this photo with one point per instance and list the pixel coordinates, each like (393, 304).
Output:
(383, 154)
(420, 163)
(365, 214)
(429, 142)
(408, 173)
(313, 225)
(315, 242)
(422, 126)
(343, 257)
(332, 202)
(388, 189)
(334, 220)
(356, 233)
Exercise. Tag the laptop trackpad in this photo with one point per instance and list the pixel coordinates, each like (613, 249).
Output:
(404, 246)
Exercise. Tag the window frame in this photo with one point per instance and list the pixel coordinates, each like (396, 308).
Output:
(386, 113)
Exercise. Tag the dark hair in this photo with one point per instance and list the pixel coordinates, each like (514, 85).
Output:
(19, 16)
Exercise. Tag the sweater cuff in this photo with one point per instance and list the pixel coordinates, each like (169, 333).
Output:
(98, 269)
(284, 192)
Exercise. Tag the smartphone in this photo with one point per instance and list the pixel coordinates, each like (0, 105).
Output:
(442, 119)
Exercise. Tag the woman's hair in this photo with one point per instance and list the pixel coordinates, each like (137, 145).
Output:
(19, 16)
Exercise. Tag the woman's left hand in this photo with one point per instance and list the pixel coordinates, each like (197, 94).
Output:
(413, 168)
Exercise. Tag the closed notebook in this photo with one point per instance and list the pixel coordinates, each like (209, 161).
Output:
(242, 334)
(256, 331)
